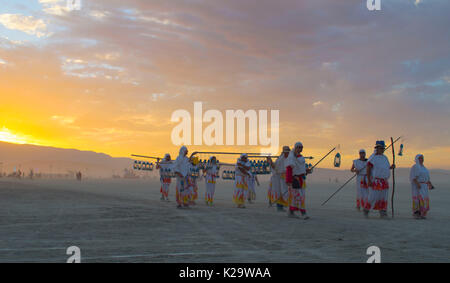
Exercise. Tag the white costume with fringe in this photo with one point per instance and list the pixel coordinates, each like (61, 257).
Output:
(241, 182)
(420, 196)
(182, 166)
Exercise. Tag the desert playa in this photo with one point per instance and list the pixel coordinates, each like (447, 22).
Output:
(119, 220)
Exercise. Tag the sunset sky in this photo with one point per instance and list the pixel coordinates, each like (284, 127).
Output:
(107, 78)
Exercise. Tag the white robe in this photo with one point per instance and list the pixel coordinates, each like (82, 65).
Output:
(361, 178)
(165, 177)
(420, 194)
(279, 192)
(298, 164)
(182, 166)
(381, 166)
(210, 182)
(377, 198)
(241, 183)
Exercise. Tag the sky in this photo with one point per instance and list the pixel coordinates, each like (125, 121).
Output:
(108, 77)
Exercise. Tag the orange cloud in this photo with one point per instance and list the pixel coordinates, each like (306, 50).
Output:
(111, 75)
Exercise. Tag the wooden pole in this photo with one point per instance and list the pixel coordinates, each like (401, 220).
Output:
(393, 177)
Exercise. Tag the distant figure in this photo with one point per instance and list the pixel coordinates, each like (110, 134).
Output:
(420, 184)
(79, 176)
(359, 167)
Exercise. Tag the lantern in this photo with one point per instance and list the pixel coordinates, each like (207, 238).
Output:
(400, 153)
(337, 160)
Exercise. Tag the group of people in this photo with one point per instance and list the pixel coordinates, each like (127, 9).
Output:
(186, 181)
(287, 187)
(372, 183)
(288, 181)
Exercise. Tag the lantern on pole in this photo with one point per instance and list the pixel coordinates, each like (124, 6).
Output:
(337, 160)
(400, 153)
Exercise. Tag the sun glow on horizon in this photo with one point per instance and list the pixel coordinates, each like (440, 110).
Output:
(7, 135)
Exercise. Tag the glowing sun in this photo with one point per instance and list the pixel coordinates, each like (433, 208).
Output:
(7, 136)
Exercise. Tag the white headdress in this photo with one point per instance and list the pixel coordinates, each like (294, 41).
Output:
(183, 150)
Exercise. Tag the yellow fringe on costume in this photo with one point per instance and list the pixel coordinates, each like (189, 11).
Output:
(242, 186)
(240, 192)
(282, 201)
(239, 197)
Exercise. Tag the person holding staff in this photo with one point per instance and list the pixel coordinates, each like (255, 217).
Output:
(359, 168)
(296, 172)
(378, 173)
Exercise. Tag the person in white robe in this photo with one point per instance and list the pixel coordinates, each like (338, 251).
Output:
(279, 191)
(211, 174)
(378, 173)
(359, 168)
(243, 167)
(165, 167)
(181, 169)
(296, 172)
(420, 185)
(192, 178)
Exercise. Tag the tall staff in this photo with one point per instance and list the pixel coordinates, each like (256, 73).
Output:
(148, 157)
(393, 177)
(226, 153)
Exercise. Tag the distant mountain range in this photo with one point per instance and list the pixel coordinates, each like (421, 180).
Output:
(57, 160)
